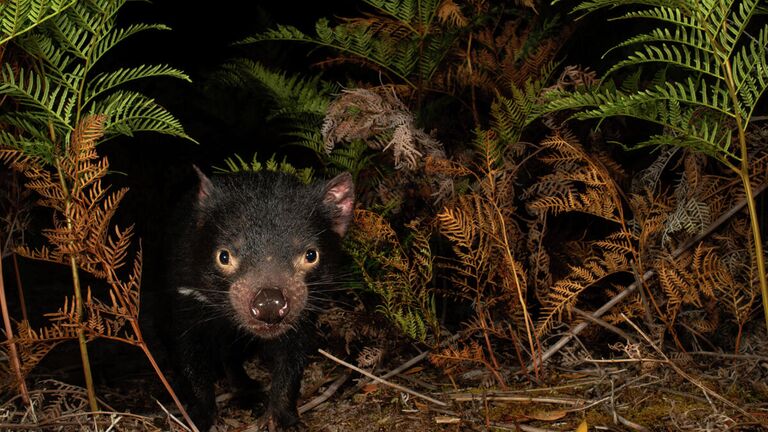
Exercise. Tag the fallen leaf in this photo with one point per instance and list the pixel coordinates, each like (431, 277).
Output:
(583, 427)
(547, 415)
(370, 388)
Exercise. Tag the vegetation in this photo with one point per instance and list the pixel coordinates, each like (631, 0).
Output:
(58, 104)
(506, 199)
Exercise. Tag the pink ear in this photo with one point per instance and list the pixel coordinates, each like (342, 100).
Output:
(339, 198)
(206, 187)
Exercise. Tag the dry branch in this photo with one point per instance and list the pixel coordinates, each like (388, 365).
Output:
(381, 380)
(578, 328)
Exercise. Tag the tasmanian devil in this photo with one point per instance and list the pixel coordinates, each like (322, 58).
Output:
(250, 251)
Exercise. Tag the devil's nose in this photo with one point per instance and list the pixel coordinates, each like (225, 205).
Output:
(269, 306)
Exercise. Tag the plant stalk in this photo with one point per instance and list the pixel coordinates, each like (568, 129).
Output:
(743, 172)
(12, 351)
(754, 220)
(82, 342)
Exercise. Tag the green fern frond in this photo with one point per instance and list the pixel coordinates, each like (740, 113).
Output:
(236, 164)
(673, 105)
(593, 5)
(727, 21)
(131, 112)
(33, 91)
(108, 81)
(401, 40)
(354, 157)
(403, 11)
(20, 16)
(56, 93)
(116, 36)
(698, 38)
(291, 93)
(701, 60)
(750, 71)
(509, 116)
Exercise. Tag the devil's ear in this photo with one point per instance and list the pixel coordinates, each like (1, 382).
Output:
(339, 199)
(205, 188)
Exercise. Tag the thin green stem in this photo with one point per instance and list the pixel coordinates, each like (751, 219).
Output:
(743, 172)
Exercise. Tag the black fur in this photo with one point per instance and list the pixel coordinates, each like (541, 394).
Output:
(267, 223)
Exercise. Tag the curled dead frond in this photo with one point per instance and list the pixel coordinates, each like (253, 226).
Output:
(379, 118)
(578, 182)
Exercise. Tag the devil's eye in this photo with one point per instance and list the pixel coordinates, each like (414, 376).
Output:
(311, 256)
(224, 258)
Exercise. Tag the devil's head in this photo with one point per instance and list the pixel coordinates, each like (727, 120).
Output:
(266, 240)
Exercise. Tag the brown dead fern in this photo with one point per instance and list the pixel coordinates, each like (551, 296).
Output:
(485, 238)
(576, 183)
(83, 238)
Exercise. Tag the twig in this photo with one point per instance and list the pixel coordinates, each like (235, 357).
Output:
(682, 373)
(411, 362)
(519, 427)
(467, 397)
(172, 417)
(19, 287)
(575, 330)
(630, 424)
(604, 324)
(326, 394)
(72, 415)
(729, 356)
(381, 380)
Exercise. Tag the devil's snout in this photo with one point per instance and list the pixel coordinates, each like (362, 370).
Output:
(269, 306)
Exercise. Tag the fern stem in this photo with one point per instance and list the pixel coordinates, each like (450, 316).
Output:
(743, 172)
(494, 367)
(82, 342)
(532, 341)
(475, 114)
(754, 220)
(12, 351)
(19, 287)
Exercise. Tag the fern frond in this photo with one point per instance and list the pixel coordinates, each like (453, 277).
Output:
(691, 216)
(594, 5)
(108, 81)
(20, 16)
(34, 91)
(726, 21)
(610, 256)
(110, 40)
(357, 40)
(686, 56)
(131, 112)
(750, 71)
(291, 93)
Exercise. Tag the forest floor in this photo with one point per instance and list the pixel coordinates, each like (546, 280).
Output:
(624, 387)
